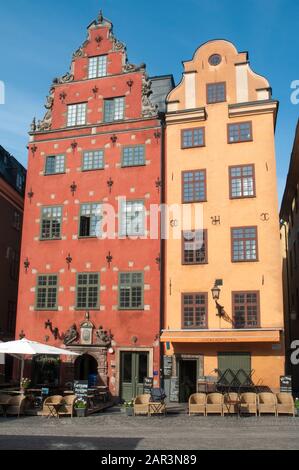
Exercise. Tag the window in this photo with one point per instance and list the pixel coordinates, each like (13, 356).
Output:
(133, 156)
(14, 265)
(47, 292)
(216, 92)
(97, 66)
(11, 317)
(51, 223)
(91, 220)
(241, 132)
(20, 181)
(88, 291)
(131, 286)
(193, 137)
(195, 310)
(76, 115)
(55, 164)
(244, 244)
(195, 247)
(246, 309)
(93, 160)
(242, 181)
(114, 109)
(215, 59)
(132, 221)
(17, 220)
(194, 186)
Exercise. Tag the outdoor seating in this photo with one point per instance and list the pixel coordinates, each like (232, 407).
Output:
(267, 403)
(197, 403)
(285, 404)
(214, 403)
(248, 403)
(231, 403)
(16, 406)
(54, 400)
(68, 404)
(141, 405)
(4, 402)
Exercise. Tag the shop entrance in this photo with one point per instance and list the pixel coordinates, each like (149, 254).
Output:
(86, 368)
(134, 369)
(187, 378)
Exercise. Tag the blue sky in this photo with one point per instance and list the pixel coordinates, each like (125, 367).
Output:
(37, 40)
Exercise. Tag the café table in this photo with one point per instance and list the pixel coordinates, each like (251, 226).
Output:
(54, 409)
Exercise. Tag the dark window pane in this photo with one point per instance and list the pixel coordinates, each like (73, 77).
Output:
(216, 92)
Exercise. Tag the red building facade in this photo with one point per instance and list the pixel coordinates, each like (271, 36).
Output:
(98, 149)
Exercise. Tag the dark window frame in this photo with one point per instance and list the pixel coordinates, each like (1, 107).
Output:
(239, 141)
(77, 108)
(231, 178)
(112, 100)
(46, 173)
(183, 305)
(205, 186)
(80, 228)
(88, 286)
(234, 304)
(93, 151)
(244, 249)
(51, 238)
(205, 239)
(134, 147)
(46, 287)
(183, 147)
(131, 284)
(208, 85)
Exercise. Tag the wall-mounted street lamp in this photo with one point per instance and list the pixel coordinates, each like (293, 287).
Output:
(216, 296)
(26, 265)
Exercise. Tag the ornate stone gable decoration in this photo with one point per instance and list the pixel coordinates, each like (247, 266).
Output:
(71, 335)
(46, 123)
(67, 78)
(86, 330)
(104, 338)
(148, 108)
(134, 68)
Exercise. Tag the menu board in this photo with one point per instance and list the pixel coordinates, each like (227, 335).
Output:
(81, 388)
(167, 366)
(286, 383)
(174, 389)
(148, 385)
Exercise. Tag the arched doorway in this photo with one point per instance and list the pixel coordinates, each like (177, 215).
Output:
(86, 368)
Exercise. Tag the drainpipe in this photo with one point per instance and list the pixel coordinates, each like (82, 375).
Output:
(283, 224)
(162, 248)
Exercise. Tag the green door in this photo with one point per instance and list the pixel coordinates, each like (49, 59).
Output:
(134, 369)
(234, 361)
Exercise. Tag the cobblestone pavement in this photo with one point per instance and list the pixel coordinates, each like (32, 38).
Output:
(113, 430)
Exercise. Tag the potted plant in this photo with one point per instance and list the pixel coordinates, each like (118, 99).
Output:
(128, 407)
(81, 408)
(25, 384)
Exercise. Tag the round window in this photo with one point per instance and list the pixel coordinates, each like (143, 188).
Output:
(215, 59)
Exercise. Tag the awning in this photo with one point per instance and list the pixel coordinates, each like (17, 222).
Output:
(222, 336)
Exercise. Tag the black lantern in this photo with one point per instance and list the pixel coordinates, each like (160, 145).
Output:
(216, 292)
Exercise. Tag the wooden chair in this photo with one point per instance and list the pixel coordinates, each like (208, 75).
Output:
(231, 403)
(285, 404)
(197, 403)
(141, 404)
(16, 406)
(248, 403)
(54, 399)
(68, 406)
(214, 403)
(267, 403)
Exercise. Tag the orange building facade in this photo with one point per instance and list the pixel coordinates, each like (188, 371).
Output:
(98, 149)
(220, 164)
